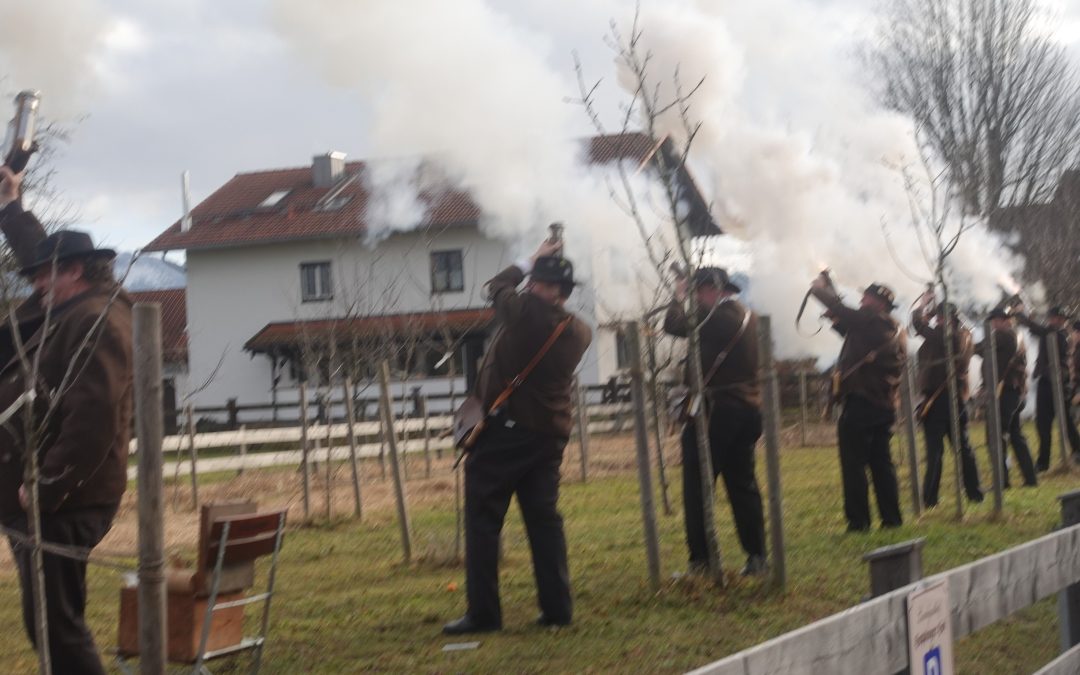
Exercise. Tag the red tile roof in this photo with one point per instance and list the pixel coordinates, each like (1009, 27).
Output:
(289, 334)
(231, 215)
(173, 321)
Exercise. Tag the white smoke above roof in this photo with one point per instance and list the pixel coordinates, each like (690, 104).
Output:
(799, 163)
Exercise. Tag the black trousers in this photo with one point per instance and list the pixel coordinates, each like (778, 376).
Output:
(936, 428)
(508, 461)
(733, 434)
(1010, 404)
(71, 646)
(1044, 420)
(864, 433)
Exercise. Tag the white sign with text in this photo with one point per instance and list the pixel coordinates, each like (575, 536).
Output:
(930, 636)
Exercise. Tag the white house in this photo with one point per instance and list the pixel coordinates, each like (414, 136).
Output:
(278, 270)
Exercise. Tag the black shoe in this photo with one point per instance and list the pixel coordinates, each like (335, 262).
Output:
(756, 566)
(1042, 467)
(544, 622)
(467, 624)
(976, 497)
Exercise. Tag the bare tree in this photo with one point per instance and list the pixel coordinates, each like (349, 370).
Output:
(654, 102)
(996, 99)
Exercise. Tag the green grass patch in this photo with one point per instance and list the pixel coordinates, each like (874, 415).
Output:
(346, 603)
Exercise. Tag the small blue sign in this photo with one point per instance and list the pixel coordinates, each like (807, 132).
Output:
(932, 662)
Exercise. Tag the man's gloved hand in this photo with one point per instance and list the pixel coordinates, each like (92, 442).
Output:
(10, 183)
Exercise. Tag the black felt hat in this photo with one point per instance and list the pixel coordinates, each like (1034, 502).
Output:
(714, 276)
(65, 245)
(1059, 311)
(883, 293)
(553, 269)
(1000, 313)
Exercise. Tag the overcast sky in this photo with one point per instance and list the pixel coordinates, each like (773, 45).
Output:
(214, 87)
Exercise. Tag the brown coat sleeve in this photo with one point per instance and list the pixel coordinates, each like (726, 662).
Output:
(88, 410)
(22, 231)
(675, 322)
(502, 290)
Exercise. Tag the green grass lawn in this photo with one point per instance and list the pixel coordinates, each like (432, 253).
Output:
(346, 603)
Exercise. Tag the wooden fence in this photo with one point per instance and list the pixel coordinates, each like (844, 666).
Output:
(872, 637)
(286, 449)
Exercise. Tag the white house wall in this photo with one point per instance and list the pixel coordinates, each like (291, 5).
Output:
(233, 293)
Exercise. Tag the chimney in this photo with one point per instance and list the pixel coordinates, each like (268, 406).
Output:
(185, 195)
(327, 169)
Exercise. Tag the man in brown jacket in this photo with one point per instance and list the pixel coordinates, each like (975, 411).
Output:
(520, 451)
(1056, 324)
(1012, 388)
(729, 364)
(935, 409)
(867, 377)
(78, 322)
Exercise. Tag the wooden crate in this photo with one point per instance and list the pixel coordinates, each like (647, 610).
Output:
(185, 621)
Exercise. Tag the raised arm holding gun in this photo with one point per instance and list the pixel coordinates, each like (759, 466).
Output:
(75, 328)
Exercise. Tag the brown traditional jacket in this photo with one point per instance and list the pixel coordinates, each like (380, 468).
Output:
(542, 403)
(874, 353)
(736, 379)
(1011, 359)
(1042, 360)
(85, 371)
(931, 356)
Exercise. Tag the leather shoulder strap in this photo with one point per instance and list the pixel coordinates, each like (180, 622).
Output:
(520, 377)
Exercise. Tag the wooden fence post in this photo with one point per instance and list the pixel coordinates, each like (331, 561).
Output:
(427, 437)
(391, 441)
(907, 411)
(243, 449)
(1061, 410)
(772, 452)
(194, 456)
(648, 510)
(802, 408)
(350, 423)
(658, 431)
(993, 416)
(329, 464)
(305, 469)
(896, 566)
(149, 426)
(581, 404)
(1069, 599)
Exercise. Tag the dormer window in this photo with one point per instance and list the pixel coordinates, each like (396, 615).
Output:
(274, 199)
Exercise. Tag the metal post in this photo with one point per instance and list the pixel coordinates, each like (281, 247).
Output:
(802, 408)
(581, 403)
(907, 411)
(1069, 599)
(1061, 411)
(350, 424)
(772, 452)
(896, 566)
(305, 469)
(993, 415)
(648, 510)
(395, 469)
(149, 424)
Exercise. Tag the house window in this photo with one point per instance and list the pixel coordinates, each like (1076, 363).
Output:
(315, 282)
(447, 272)
(273, 199)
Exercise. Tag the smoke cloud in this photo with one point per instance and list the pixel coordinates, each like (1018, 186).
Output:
(53, 46)
(799, 164)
